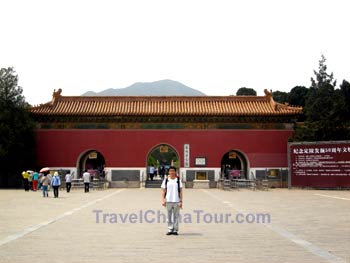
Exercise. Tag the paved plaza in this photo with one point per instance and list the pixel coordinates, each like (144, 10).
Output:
(127, 225)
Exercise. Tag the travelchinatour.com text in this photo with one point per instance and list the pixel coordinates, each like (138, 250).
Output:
(195, 216)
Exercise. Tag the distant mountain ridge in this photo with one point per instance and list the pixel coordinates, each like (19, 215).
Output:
(165, 87)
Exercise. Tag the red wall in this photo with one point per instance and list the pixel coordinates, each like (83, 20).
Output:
(129, 148)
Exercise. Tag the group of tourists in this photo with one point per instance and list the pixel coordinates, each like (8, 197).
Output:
(32, 180)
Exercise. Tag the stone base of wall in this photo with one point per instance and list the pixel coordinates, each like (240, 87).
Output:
(125, 179)
(191, 181)
(125, 184)
(190, 184)
(213, 184)
(201, 184)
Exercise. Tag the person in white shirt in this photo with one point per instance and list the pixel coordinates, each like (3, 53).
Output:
(68, 181)
(86, 179)
(172, 197)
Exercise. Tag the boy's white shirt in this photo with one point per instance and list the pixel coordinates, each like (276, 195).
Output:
(172, 193)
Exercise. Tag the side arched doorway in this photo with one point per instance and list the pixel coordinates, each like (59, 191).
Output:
(92, 161)
(234, 164)
(159, 159)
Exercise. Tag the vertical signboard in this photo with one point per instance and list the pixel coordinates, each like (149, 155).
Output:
(319, 164)
(186, 155)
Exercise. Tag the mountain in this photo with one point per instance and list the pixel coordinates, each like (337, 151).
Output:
(158, 88)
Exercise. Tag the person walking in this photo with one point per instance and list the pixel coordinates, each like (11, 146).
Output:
(55, 183)
(151, 172)
(68, 179)
(48, 175)
(172, 198)
(41, 175)
(86, 179)
(25, 176)
(35, 180)
(30, 179)
(45, 181)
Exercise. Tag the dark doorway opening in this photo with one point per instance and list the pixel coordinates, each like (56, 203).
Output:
(94, 162)
(233, 165)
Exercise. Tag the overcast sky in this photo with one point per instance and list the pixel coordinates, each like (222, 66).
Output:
(215, 46)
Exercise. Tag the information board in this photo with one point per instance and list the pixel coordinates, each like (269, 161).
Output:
(319, 164)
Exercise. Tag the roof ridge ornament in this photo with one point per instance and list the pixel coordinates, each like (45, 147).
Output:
(56, 95)
(268, 95)
(278, 106)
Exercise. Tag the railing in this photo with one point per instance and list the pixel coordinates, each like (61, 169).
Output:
(262, 184)
(96, 184)
(228, 184)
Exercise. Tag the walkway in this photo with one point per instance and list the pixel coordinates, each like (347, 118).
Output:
(121, 225)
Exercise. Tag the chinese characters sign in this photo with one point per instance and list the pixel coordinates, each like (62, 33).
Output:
(186, 155)
(320, 164)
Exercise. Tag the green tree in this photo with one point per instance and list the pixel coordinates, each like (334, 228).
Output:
(325, 109)
(320, 103)
(345, 90)
(16, 130)
(342, 96)
(280, 96)
(246, 92)
(297, 96)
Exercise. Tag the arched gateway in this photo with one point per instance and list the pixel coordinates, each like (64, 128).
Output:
(161, 157)
(133, 132)
(234, 165)
(92, 161)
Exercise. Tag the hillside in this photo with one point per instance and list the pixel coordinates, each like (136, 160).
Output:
(157, 88)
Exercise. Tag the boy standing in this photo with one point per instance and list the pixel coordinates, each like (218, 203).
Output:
(171, 197)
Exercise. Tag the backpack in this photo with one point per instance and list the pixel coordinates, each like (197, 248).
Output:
(56, 181)
(178, 186)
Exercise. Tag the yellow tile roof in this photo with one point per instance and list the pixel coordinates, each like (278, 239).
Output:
(163, 106)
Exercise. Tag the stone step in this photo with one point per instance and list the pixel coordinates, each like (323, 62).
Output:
(153, 184)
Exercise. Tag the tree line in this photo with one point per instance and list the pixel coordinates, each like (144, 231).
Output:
(17, 135)
(326, 107)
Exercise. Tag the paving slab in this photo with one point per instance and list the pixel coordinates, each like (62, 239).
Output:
(127, 225)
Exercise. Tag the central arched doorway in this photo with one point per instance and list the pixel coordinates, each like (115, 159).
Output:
(234, 165)
(92, 161)
(159, 159)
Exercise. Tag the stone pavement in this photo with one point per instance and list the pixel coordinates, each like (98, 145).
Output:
(121, 225)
